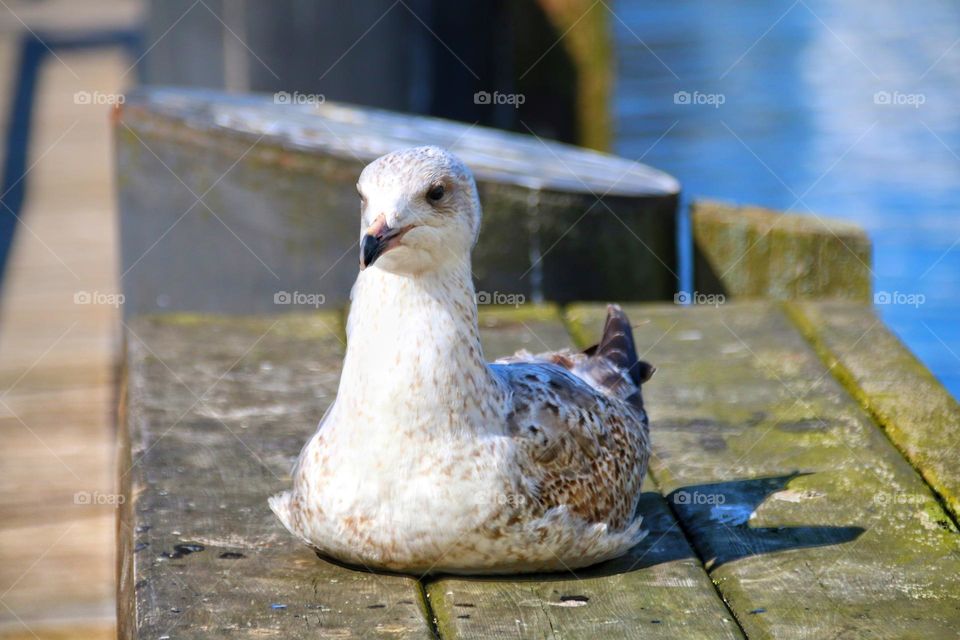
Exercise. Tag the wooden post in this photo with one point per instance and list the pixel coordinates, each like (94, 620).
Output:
(747, 251)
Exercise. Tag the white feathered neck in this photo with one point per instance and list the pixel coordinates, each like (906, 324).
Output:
(414, 360)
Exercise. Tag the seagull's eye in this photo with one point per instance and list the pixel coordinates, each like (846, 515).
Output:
(435, 193)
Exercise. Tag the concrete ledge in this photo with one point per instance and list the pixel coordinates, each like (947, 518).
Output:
(746, 251)
(226, 201)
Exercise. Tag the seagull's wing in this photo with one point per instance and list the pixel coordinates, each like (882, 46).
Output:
(610, 366)
(576, 446)
(579, 424)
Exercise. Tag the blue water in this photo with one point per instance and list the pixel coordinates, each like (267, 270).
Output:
(803, 128)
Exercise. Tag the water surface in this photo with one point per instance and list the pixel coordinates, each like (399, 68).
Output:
(846, 109)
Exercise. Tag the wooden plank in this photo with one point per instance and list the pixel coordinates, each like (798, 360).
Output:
(57, 371)
(658, 590)
(811, 523)
(917, 412)
(63, 630)
(216, 412)
(62, 565)
(504, 330)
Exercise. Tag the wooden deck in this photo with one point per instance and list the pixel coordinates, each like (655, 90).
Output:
(58, 365)
(779, 503)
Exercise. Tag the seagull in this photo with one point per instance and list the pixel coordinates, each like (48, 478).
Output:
(430, 460)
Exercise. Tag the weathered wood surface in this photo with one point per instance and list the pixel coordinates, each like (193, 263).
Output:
(777, 486)
(917, 412)
(215, 412)
(748, 251)
(809, 521)
(226, 201)
(659, 590)
(216, 409)
(58, 362)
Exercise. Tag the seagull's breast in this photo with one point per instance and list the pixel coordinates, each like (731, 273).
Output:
(397, 491)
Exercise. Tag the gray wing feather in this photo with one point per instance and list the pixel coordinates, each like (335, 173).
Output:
(579, 423)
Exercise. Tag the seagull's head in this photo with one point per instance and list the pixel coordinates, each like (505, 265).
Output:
(419, 211)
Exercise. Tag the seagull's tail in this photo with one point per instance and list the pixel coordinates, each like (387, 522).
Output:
(613, 363)
(281, 505)
(617, 346)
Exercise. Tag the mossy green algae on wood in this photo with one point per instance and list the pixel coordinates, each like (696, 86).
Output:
(747, 251)
(219, 407)
(217, 410)
(812, 524)
(658, 590)
(505, 330)
(917, 412)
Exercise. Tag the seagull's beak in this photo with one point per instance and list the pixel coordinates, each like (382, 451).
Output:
(378, 239)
